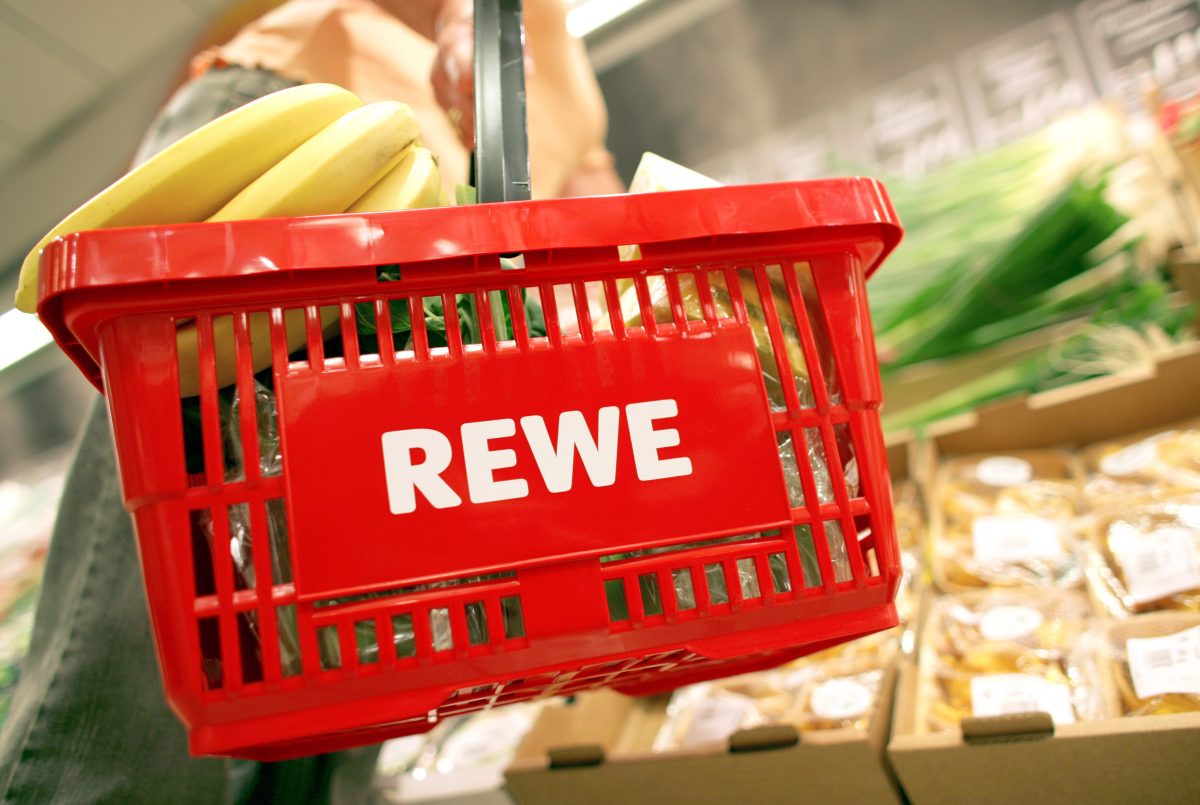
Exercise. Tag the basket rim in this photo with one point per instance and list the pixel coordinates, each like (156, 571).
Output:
(135, 269)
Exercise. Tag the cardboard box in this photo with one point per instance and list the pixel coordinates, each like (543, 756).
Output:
(599, 750)
(1028, 758)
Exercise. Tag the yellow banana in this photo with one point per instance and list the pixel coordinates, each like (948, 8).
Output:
(196, 176)
(414, 183)
(330, 171)
(324, 175)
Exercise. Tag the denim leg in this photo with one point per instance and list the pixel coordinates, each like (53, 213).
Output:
(88, 721)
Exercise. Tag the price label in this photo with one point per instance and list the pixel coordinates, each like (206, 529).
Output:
(1009, 623)
(1137, 44)
(716, 718)
(1161, 665)
(1015, 538)
(912, 126)
(1009, 694)
(840, 699)
(1001, 471)
(1134, 458)
(1160, 563)
(1021, 82)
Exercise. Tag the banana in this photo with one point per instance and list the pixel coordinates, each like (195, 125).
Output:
(324, 175)
(198, 175)
(414, 183)
(333, 169)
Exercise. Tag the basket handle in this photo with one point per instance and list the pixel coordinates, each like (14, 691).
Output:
(501, 158)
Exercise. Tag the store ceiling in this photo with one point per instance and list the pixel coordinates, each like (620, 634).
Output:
(81, 81)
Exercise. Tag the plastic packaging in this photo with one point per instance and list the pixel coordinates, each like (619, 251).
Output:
(910, 525)
(1002, 652)
(1146, 558)
(837, 688)
(1145, 665)
(1008, 520)
(1153, 469)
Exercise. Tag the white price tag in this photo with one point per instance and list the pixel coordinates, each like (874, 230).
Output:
(1168, 664)
(716, 718)
(1015, 538)
(1134, 458)
(1003, 471)
(840, 699)
(1007, 694)
(1160, 563)
(1009, 623)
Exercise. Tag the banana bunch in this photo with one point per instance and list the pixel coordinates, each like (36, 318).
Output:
(314, 149)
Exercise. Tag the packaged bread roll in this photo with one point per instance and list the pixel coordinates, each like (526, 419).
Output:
(1150, 469)
(1147, 557)
(1144, 665)
(1007, 521)
(1001, 652)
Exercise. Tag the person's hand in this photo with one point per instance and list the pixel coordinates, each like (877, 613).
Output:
(453, 74)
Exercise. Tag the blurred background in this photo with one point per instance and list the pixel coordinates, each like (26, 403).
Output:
(743, 90)
(1045, 147)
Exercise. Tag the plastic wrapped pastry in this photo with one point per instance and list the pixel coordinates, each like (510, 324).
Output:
(1001, 652)
(1153, 469)
(835, 689)
(1008, 521)
(1146, 665)
(1147, 558)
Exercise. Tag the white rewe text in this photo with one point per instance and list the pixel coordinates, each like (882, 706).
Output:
(555, 459)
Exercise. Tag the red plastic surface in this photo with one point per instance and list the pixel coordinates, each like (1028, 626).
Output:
(581, 584)
(510, 515)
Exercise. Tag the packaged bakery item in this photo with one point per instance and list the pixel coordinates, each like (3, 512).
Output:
(835, 697)
(1000, 652)
(1145, 665)
(1147, 557)
(834, 689)
(1007, 520)
(910, 527)
(1151, 469)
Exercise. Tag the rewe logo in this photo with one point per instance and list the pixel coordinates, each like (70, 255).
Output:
(555, 460)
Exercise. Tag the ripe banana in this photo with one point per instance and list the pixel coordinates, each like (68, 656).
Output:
(196, 176)
(413, 184)
(330, 171)
(324, 175)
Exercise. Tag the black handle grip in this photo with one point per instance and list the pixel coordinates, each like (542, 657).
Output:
(501, 163)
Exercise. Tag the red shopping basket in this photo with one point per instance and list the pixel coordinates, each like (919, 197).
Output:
(683, 478)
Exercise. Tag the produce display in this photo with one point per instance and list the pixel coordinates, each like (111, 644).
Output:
(1052, 248)
(1000, 652)
(1008, 521)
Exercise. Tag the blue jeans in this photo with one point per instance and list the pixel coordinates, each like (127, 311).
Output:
(88, 721)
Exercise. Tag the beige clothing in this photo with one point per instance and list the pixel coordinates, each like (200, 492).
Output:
(357, 45)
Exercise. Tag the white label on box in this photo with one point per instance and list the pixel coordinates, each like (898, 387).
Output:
(840, 699)
(1009, 623)
(1003, 471)
(1160, 563)
(1008, 694)
(1161, 665)
(716, 718)
(1134, 458)
(1015, 538)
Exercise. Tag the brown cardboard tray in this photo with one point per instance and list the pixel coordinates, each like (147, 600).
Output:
(1027, 758)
